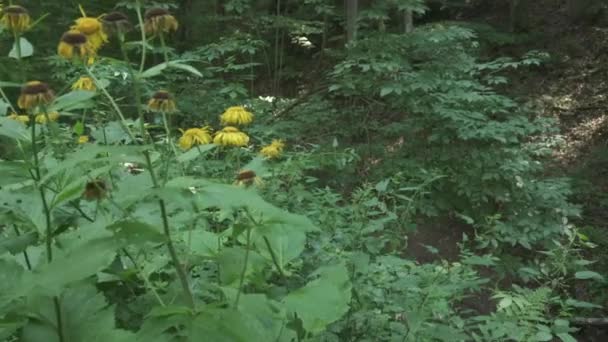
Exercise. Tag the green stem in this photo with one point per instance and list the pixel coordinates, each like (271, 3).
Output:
(5, 98)
(244, 270)
(25, 255)
(123, 121)
(144, 40)
(49, 227)
(274, 258)
(164, 46)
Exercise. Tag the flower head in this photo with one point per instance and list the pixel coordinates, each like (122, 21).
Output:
(194, 136)
(24, 119)
(95, 190)
(274, 150)
(248, 178)
(231, 136)
(34, 94)
(84, 83)
(159, 20)
(45, 117)
(92, 29)
(116, 22)
(236, 116)
(73, 43)
(83, 139)
(15, 18)
(162, 101)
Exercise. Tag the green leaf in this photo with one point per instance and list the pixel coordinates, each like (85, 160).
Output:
(565, 337)
(86, 317)
(78, 128)
(79, 262)
(77, 99)
(202, 242)
(186, 67)
(4, 107)
(27, 49)
(227, 325)
(135, 232)
(543, 336)
(323, 300)
(581, 304)
(231, 262)
(195, 152)
(584, 275)
(13, 129)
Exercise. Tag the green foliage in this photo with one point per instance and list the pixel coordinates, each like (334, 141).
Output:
(133, 236)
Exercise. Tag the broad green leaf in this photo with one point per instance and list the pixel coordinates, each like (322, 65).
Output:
(13, 129)
(11, 279)
(227, 325)
(86, 317)
(287, 242)
(323, 300)
(77, 99)
(77, 263)
(195, 152)
(18, 244)
(27, 49)
(584, 275)
(231, 261)
(202, 243)
(135, 232)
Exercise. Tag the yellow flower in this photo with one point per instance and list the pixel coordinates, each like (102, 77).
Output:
(74, 44)
(34, 94)
(162, 101)
(194, 136)
(24, 119)
(159, 20)
(92, 29)
(84, 83)
(236, 116)
(15, 18)
(231, 136)
(42, 118)
(248, 178)
(274, 150)
(83, 139)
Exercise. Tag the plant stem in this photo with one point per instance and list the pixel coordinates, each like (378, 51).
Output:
(164, 46)
(123, 121)
(244, 270)
(144, 40)
(5, 98)
(49, 228)
(25, 255)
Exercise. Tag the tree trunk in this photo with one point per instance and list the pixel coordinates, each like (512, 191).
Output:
(351, 20)
(408, 21)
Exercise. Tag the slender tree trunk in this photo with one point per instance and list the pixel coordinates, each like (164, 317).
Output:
(352, 8)
(408, 21)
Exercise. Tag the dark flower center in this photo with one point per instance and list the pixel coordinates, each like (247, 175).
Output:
(245, 175)
(15, 10)
(74, 38)
(115, 17)
(162, 95)
(155, 12)
(34, 88)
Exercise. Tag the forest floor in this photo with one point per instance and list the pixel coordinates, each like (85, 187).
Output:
(572, 88)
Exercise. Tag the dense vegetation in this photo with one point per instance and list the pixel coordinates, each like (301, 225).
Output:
(245, 170)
